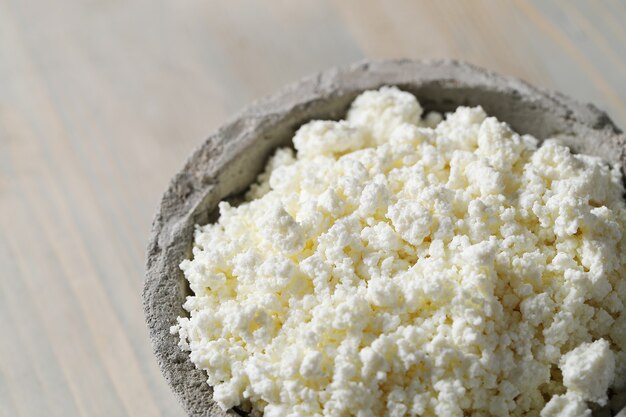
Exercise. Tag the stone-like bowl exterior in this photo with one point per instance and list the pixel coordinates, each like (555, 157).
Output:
(229, 160)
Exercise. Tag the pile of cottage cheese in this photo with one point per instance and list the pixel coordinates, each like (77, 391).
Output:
(400, 265)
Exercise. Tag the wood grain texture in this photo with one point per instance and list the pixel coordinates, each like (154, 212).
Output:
(101, 102)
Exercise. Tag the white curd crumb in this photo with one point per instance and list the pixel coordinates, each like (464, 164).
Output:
(400, 265)
(379, 112)
(588, 370)
(567, 405)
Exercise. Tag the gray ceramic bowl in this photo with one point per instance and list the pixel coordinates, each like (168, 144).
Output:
(229, 160)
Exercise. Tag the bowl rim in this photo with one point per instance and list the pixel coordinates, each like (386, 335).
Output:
(202, 175)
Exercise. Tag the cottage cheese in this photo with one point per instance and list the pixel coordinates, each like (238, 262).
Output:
(398, 264)
(588, 370)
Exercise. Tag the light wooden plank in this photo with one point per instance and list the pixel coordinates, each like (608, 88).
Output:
(485, 33)
(26, 344)
(585, 80)
(536, 41)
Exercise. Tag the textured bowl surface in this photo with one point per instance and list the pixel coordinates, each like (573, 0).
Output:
(229, 160)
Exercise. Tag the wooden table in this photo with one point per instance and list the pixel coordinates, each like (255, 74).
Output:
(101, 102)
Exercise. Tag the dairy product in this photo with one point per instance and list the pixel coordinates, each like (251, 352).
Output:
(588, 370)
(398, 264)
(566, 405)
